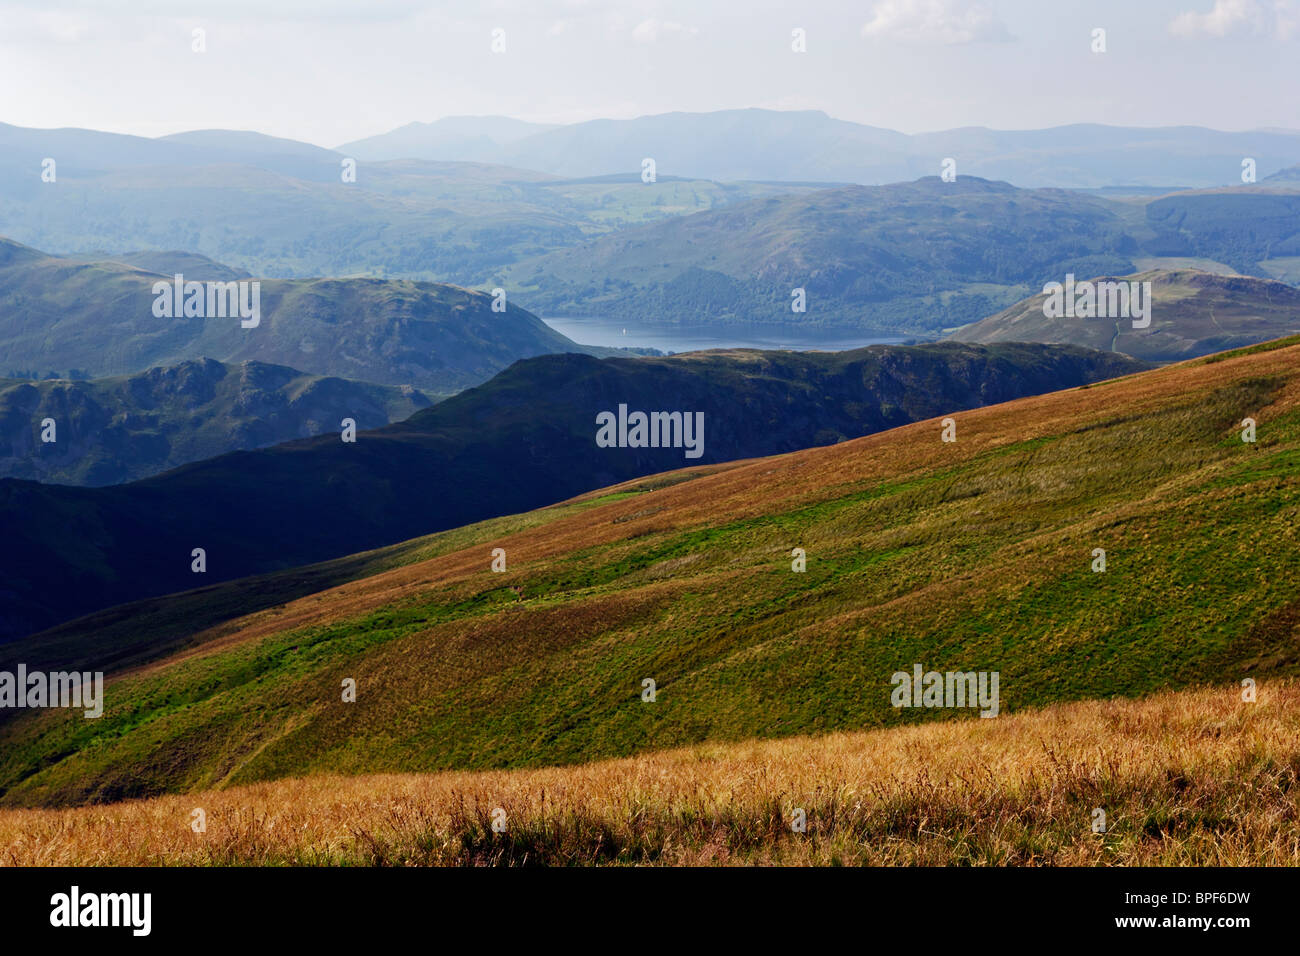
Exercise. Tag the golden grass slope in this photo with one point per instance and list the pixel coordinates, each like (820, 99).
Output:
(1188, 778)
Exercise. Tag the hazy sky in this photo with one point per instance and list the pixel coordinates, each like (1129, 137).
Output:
(329, 71)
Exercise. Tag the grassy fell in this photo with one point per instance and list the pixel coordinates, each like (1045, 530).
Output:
(965, 556)
(1188, 778)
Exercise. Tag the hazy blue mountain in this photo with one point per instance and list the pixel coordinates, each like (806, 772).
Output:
(749, 144)
(276, 207)
(756, 144)
(469, 138)
(248, 143)
(113, 430)
(1090, 155)
(80, 153)
(726, 145)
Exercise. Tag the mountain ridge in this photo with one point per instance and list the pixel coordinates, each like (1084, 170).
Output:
(801, 145)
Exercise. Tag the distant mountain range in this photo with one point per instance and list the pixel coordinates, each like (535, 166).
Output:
(525, 439)
(275, 207)
(96, 319)
(916, 256)
(113, 430)
(84, 153)
(1192, 313)
(726, 145)
(757, 144)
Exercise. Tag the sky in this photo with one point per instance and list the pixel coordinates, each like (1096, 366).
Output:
(329, 71)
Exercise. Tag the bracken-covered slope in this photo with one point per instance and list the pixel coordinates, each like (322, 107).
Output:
(525, 439)
(1193, 313)
(974, 555)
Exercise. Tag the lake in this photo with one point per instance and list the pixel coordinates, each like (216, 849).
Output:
(587, 330)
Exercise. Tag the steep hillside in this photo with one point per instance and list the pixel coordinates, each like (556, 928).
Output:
(113, 430)
(918, 256)
(1192, 313)
(96, 319)
(978, 555)
(525, 439)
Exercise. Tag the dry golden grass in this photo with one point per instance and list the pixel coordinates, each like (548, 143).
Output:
(1189, 778)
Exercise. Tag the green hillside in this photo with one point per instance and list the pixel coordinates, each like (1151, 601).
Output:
(522, 440)
(1192, 313)
(973, 555)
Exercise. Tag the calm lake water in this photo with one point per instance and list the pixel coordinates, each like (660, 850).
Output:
(619, 334)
